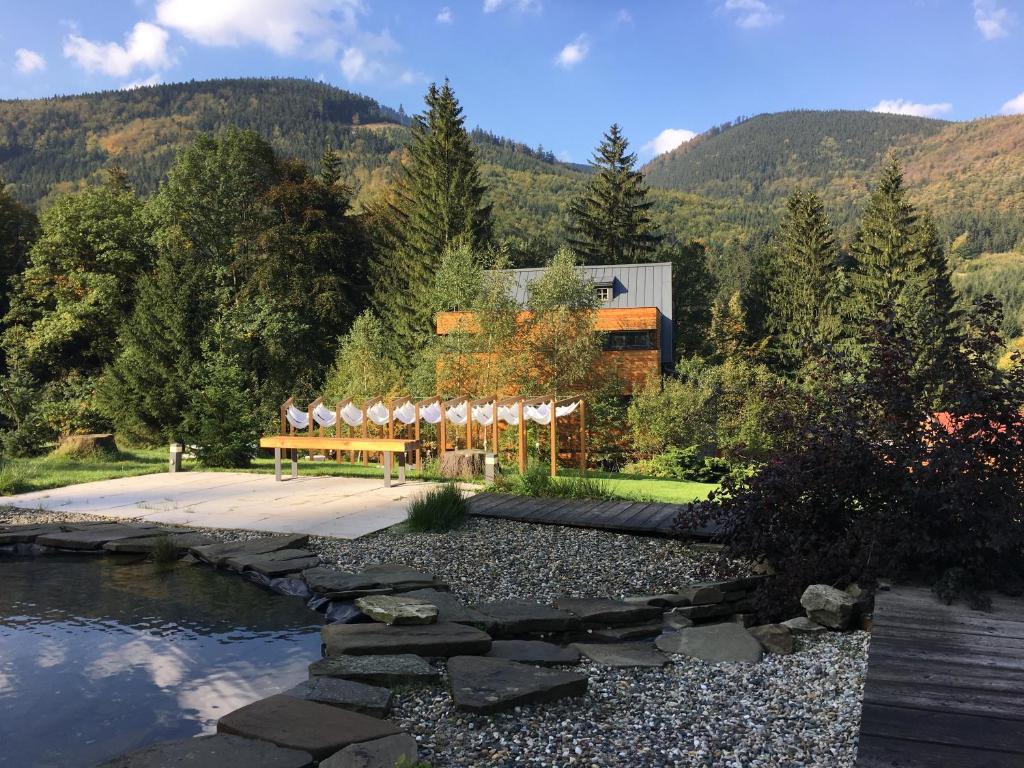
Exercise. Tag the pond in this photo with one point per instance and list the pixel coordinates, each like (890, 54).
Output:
(102, 655)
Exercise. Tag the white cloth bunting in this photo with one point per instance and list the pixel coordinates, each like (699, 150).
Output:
(298, 419)
(324, 416)
(457, 414)
(406, 414)
(378, 414)
(351, 415)
(431, 413)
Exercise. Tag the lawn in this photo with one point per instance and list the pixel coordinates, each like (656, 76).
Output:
(650, 488)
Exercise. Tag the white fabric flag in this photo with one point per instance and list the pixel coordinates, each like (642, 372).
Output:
(351, 415)
(298, 419)
(378, 414)
(565, 410)
(431, 413)
(509, 414)
(540, 414)
(484, 414)
(406, 413)
(457, 414)
(324, 416)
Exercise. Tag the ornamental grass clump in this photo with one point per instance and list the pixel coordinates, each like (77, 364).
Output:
(165, 552)
(438, 510)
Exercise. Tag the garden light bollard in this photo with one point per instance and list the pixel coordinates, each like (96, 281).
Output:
(490, 467)
(174, 465)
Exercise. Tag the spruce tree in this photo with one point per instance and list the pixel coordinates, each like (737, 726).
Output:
(610, 222)
(439, 203)
(805, 281)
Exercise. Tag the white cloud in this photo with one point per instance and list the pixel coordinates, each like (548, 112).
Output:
(356, 66)
(155, 79)
(904, 107)
(667, 140)
(1014, 106)
(623, 17)
(573, 53)
(752, 14)
(490, 6)
(27, 62)
(445, 16)
(145, 46)
(993, 20)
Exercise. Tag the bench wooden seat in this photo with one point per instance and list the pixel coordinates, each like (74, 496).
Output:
(388, 447)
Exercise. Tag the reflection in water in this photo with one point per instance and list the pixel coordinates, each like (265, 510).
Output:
(101, 655)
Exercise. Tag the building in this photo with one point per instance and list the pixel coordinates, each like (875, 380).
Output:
(635, 316)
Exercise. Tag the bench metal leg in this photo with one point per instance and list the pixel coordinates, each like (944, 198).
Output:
(277, 464)
(401, 467)
(387, 469)
(295, 463)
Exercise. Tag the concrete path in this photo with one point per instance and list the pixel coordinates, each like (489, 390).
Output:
(343, 507)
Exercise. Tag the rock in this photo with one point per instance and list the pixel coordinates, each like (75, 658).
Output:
(339, 585)
(290, 586)
(622, 654)
(394, 669)
(214, 751)
(703, 612)
(95, 536)
(379, 753)
(462, 464)
(437, 640)
(701, 594)
(743, 619)
(492, 685)
(343, 612)
(774, 638)
(664, 600)
(359, 697)
(217, 554)
(676, 620)
(853, 590)
(619, 634)
(607, 613)
(147, 544)
(273, 564)
(402, 578)
(318, 729)
(532, 652)
(87, 446)
(25, 534)
(397, 610)
(801, 625)
(741, 584)
(450, 608)
(521, 617)
(715, 643)
(827, 605)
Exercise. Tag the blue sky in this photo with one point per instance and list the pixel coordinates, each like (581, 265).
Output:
(551, 72)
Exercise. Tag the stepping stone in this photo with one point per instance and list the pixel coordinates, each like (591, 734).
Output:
(774, 638)
(675, 620)
(26, 534)
(401, 578)
(622, 654)
(318, 729)
(95, 536)
(450, 608)
(347, 694)
(214, 751)
(532, 652)
(702, 612)
(801, 625)
(272, 564)
(493, 685)
(664, 600)
(715, 643)
(217, 554)
(701, 594)
(397, 610)
(379, 753)
(607, 613)
(621, 634)
(340, 585)
(437, 640)
(147, 544)
(521, 617)
(395, 669)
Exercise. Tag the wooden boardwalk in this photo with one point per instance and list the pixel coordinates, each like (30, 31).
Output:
(945, 684)
(624, 516)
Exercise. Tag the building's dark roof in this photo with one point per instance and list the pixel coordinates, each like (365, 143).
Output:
(633, 285)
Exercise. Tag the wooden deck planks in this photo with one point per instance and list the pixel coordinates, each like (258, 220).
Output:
(945, 684)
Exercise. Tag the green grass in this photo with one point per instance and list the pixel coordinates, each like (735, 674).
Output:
(43, 472)
(440, 509)
(648, 488)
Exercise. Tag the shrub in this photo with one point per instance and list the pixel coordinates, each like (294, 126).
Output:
(682, 464)
(537, 482)
(164, 551)
(438, 510)
(26, 432)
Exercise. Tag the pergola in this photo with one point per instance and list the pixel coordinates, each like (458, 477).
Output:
(477, 420)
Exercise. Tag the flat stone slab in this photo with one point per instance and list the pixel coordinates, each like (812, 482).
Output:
(607, 613)
(450, 608)
(533, 652)
(214, 751)
(663, 600)
(774, 638)
(491, 685)
(218, 554)
(95, 536)
(401, 578)
(147, 544)
(318, 729)
(25, 534)
(801, 625)
(348, 694)
(437, 640)
(621, 634)
(379, 753)
(622, 654)
(701, 594)
(278, 563)
(393, 669)
(522, 617)
(397, 610)
(715, 643)
(341, 585)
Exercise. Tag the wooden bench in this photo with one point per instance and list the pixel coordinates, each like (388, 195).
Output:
(386, 446)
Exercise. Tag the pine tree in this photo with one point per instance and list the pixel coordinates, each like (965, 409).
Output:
(610, 222)
(18, 230)
(438, 204)
(802, 300)
(331, 167)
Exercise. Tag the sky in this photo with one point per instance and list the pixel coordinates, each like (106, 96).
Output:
(555, 73)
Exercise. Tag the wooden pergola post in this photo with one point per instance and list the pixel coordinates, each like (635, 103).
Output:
(366, 433)
(554, 439)
(312, 423)
(416, 430)
(583, 437)
(494, 424)
(337, 431)
(522, 438)
(469, 426)
(445, 405)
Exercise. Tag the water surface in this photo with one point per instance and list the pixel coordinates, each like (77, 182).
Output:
(101, 655)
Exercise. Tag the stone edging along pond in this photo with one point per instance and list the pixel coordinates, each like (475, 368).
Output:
(388, 621)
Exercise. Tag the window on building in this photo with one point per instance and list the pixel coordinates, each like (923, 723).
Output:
(623, 340)
(604, 292)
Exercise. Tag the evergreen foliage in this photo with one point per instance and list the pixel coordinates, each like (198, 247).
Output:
(19, 229)
(610, 222)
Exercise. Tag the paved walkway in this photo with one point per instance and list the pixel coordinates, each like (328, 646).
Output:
(625, 516)
(343, 507)
(945, 684)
